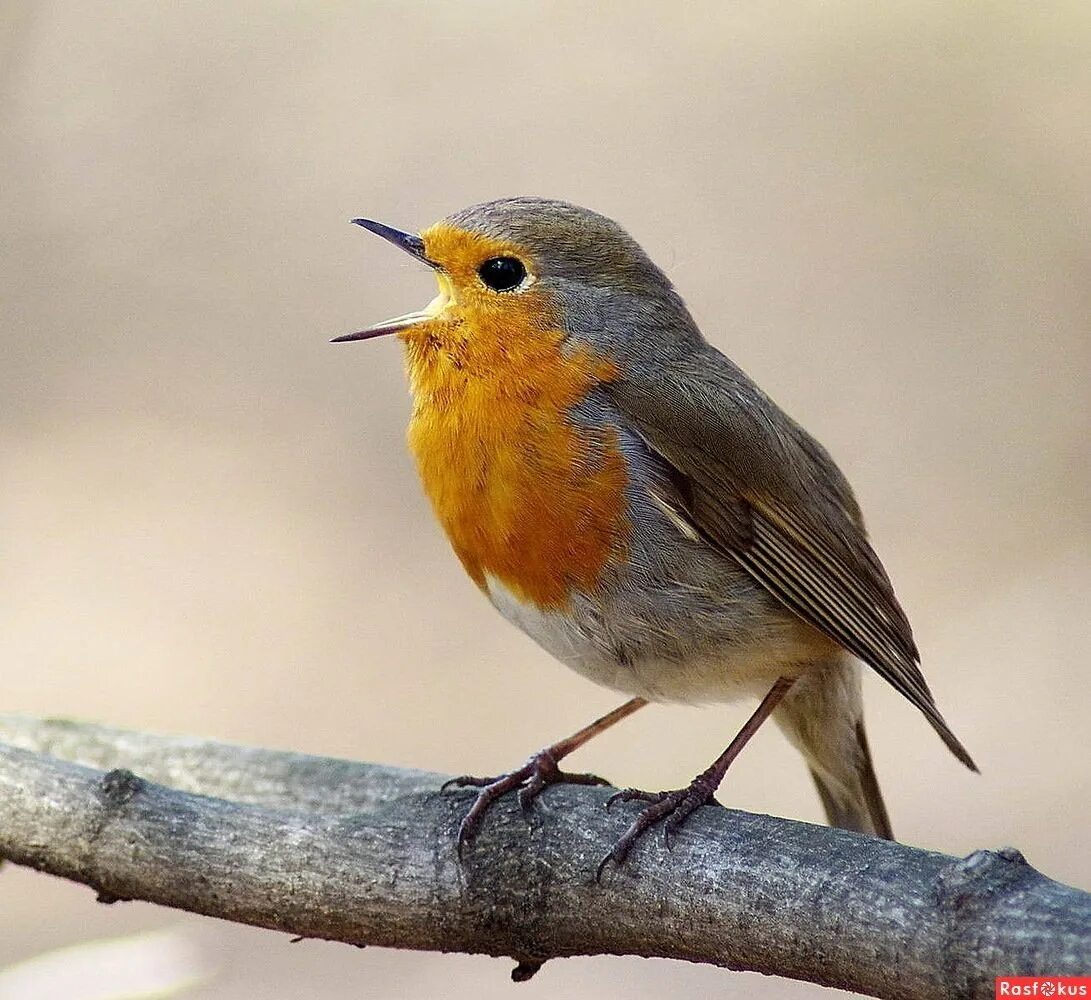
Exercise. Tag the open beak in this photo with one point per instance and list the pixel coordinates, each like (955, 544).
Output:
(414, 246)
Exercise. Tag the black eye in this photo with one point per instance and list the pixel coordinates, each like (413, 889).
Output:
(502, 274)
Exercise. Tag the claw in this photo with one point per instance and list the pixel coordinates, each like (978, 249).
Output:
(465, 781)
(672, 809)
(583, 779)
(635, 795)
(464, 837)
(531, 780)
(528, 793)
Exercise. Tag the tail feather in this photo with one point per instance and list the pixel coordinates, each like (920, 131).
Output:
(865, 811)
(822, 715)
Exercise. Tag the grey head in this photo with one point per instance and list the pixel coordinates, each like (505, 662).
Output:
(609, 290)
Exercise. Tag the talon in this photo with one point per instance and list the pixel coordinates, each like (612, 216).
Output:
(465, 836)
(617, 855)
(634, 794)
(466, 781)
(531, 780)
(582, 779)
(672, 809)
(467, 829)
(528, 793)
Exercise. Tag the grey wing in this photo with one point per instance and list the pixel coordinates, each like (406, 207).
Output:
(760, 489)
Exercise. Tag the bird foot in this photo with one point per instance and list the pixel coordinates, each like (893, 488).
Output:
(672, 809)
(531, 780)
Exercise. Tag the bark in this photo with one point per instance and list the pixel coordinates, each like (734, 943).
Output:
(365, 854)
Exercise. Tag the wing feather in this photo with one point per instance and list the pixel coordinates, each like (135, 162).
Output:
(754, 484)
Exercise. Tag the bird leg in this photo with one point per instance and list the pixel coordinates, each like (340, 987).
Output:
(675, 807)
(533, 777)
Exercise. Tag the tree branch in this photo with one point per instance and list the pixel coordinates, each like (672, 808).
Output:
(365, 854)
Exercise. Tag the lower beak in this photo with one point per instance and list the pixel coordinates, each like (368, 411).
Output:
(414, 246)
(387, 326)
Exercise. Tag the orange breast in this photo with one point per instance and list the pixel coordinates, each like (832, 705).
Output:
(524, 494)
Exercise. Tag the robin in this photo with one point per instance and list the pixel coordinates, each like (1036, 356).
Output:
(628, 497)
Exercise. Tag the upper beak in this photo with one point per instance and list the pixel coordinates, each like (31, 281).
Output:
(412, 245)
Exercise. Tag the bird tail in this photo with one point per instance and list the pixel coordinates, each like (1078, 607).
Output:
(862, 809)
(822, 715)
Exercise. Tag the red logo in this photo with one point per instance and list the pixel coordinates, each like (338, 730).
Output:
(1050, 987)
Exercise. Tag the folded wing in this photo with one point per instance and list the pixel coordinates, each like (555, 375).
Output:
(755, 485)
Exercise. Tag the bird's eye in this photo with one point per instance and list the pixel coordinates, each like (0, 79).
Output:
(502, 274)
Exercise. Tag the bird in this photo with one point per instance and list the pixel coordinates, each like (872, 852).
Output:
(625, 494)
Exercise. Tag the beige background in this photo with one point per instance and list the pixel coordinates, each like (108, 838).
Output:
(210, 524)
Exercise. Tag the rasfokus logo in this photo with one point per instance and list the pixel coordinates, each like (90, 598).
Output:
(1051, 987)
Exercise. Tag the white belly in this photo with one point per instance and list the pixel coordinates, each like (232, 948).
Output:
(591, 642)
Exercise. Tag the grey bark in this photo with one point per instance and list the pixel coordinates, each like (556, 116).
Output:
(364, 854)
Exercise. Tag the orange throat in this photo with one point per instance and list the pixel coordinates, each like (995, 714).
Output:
(526, 495)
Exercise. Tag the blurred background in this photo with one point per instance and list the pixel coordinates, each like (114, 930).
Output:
(208, 520)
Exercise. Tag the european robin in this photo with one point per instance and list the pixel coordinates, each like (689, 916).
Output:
(626, 495)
